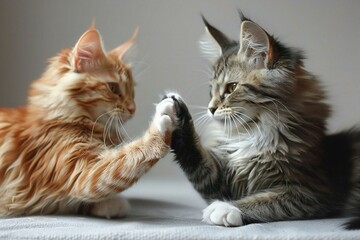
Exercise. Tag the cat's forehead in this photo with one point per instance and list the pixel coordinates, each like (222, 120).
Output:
(228, 70)
(111, 74)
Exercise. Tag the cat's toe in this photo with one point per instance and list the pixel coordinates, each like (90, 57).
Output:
(165, 116)
(222, 214)
(174, 96)
(182, 112)
(115, 207)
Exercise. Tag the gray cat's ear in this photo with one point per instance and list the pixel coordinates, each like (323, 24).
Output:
(255, 45)
(214, 42)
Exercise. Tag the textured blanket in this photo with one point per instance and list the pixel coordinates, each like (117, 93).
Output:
(167, 211)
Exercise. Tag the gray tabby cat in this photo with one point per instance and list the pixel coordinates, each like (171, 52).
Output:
(263, 156)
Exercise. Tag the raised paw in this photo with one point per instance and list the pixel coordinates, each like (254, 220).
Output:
(165, 116)
(222, 214)
(115, 207)
(182, 112)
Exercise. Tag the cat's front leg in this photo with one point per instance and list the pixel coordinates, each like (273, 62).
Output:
(277, 204)
(116, 169)
(222, 214)
(200, 165)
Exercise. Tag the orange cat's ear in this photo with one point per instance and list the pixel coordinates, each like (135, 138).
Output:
(88, 51)
(124, 48)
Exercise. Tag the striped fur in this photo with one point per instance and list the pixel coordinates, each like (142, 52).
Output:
(262, 158)
(65, 151)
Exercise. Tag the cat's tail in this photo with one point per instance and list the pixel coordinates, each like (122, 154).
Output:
(342, 154)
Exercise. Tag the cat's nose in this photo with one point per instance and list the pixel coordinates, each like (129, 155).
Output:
(212, 110)
(131, 108)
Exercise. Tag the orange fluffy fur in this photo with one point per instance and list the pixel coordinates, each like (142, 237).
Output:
(61, 153)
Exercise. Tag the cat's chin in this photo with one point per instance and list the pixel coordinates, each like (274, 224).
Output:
(218, 118)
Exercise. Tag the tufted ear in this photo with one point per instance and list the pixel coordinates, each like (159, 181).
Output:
(88, 51)
(256, 46)
(214, 42)
(124, 48)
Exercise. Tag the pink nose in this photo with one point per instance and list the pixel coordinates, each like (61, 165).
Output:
(131, 108)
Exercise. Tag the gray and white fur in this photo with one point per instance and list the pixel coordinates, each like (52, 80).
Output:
(262, 157)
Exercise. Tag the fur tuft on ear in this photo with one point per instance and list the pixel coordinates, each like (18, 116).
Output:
(209, 47)
(88, 50)
(215, 42)
(254, 44)
(124, 48)
(242, 16)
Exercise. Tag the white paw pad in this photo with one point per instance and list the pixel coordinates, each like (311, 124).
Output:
(222, 214)
(165, 116)
(115, 207)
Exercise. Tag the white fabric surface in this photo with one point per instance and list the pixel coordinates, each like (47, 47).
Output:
(165, 210)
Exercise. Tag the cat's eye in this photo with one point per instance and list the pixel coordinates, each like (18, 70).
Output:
(114, 88)
(230, 87)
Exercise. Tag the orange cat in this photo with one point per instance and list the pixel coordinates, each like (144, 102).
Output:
(61, 153)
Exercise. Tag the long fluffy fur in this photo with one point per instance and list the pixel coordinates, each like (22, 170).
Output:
(270, 159)
(64, 151)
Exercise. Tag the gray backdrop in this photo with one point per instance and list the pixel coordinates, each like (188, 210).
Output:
(167, 47)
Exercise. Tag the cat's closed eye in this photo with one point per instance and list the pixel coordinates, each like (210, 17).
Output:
(114, 88)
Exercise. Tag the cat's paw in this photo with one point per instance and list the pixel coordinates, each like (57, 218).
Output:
(165, 116)
(222, 214)
(114, 207)
(182, 112)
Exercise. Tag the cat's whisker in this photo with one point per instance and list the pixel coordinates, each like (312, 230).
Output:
(200, 113)
(252, 120)
(239, 108)
(228, 122)
(121, 121)
(201, 122)
(236, 127)
(138, 75)
(246, 116)
(104, 132)
(118, 128)
(93, 127)
(274, 101)
(197, 107)
(139, 65)
(230, 125)
(227, 128)
(109, 128)
(271, 111)
(242, 121)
